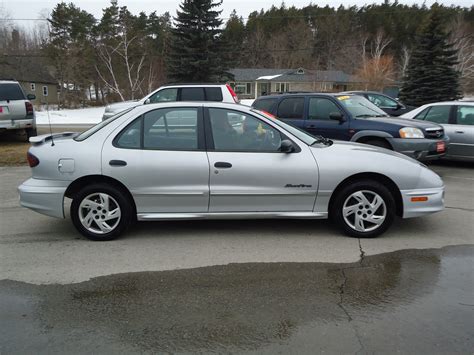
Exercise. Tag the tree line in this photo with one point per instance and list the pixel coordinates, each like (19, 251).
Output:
(122, 56)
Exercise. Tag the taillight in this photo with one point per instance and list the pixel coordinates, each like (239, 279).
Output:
(32, 160)
(233, 94)
(29, 108)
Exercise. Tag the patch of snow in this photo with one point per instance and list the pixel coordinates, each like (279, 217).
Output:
(74, 116)
(247, 102)
(268, 77)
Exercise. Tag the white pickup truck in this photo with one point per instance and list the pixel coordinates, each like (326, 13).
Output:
(16, 111)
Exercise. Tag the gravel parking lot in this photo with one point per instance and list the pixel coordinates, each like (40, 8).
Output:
(252, 269)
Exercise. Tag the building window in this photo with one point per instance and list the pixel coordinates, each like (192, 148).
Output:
(33, 86)
(45, 91)
(282, 87)
(243, 88)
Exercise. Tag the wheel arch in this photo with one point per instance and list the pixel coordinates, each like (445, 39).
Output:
(364, 136)
(383, 179)
(79, 183)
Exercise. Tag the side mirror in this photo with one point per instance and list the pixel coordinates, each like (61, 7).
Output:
(286, 146)
(147, 101)
(400, 106)
(31, 96)
(337, 116)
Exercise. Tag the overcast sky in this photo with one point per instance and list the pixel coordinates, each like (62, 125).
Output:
(32, 8)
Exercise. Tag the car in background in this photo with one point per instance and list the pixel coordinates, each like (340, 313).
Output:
(457, 119)
(178, 92)
(354, 118)
(16, 111)
(386, 103)
(146, 164)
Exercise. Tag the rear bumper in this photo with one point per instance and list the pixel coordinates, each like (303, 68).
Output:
(435, 202)
(420, 149)
(44, 196)
(17, 124)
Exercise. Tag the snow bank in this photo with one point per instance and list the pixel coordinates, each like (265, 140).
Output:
(88, 115)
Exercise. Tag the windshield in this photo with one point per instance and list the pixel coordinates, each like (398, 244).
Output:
(86, 134)
(359, 106)
(298, 133)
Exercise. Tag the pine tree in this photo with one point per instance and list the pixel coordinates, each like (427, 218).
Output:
(196, 44)
(430, 75)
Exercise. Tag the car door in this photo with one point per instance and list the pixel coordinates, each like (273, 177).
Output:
(462, 133)
(318, 121)
(160, 157)
(291, 110)
(249, 173)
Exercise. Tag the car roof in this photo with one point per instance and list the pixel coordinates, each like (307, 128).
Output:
(455, 103)
(145, 108)
(302, 94)
(193, 84)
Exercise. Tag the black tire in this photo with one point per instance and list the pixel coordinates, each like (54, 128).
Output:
(337, 205)
(120, 199)
(30, 132)
(379, 143)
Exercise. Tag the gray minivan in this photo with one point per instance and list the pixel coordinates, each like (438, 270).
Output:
(16, 111)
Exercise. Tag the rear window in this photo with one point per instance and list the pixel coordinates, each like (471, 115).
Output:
(11, 91)
(291, 108)
(192, 94)
(264, 104)
(213, 94)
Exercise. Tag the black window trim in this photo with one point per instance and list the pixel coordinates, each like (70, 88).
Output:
(200, 132)
(293, 97)
(210, 140)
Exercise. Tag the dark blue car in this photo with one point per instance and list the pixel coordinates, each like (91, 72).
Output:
(354, 118)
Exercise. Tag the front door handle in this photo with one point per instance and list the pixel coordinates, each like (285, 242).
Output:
(459, 131)
(117, 163)
(222, 165)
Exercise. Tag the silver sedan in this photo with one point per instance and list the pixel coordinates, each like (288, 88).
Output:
(220, 161)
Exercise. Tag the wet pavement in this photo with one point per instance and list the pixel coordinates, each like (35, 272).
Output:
(409, 301)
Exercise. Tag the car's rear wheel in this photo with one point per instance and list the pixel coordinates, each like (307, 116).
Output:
(364, 209)
(30, 132)
(101, 212)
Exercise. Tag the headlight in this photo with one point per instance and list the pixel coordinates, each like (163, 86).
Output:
(411, 132)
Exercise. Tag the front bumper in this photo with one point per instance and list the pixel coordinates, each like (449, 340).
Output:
(44, 196)
(17, 124)
(421, 149)
(434, 203)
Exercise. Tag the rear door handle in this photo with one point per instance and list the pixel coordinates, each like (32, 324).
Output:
(117, 163)
(459, 131)
(223, 165)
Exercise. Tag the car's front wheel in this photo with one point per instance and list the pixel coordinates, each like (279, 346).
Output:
(101, 212)
(364, 209)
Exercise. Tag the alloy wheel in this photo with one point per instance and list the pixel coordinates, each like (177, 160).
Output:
(364, 211)
(99, 213)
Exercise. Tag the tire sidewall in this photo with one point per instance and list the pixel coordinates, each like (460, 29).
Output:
(345, 192)
(118, 195)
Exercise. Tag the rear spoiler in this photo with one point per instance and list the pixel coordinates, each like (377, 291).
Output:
(47, 137)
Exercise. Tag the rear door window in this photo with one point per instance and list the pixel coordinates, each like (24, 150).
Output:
(292, 108)
(11, 91)
(213, 94)
(192, 94)
(465, 115)
(265, 104)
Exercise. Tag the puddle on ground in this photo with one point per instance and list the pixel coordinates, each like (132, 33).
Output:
(413, 301)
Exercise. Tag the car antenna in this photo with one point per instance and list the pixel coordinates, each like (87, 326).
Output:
(49, 123)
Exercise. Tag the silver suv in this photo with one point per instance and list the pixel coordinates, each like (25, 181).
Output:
(16, 111)
(178, 92)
